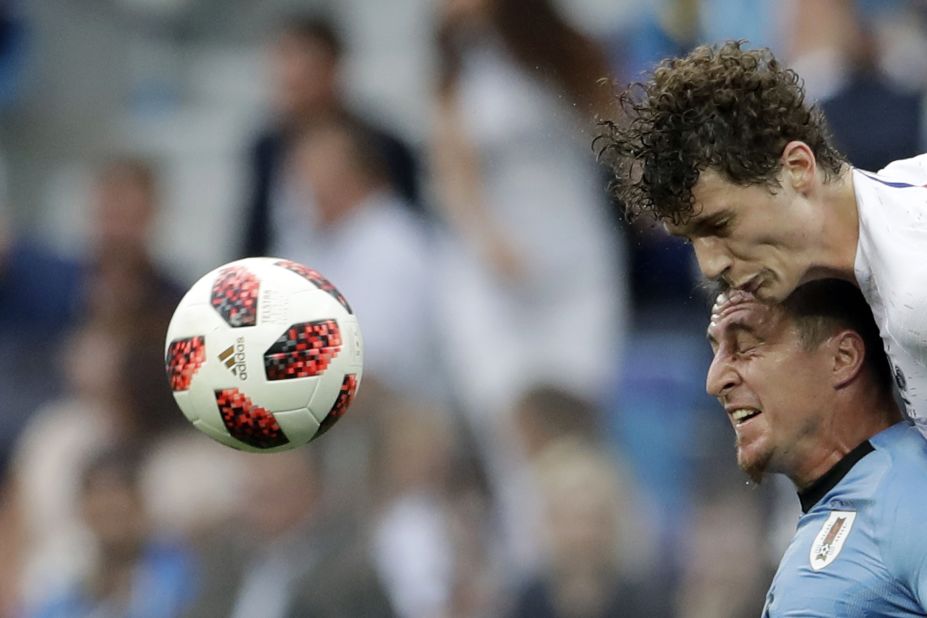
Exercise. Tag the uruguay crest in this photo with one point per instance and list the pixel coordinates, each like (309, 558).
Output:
(830, 539)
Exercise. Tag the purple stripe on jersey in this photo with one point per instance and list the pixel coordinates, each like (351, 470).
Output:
(897, 185)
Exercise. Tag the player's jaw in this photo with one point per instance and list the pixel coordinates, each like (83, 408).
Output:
(752, 440)
(751, 430)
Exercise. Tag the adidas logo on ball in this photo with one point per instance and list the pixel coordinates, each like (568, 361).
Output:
(234, 358)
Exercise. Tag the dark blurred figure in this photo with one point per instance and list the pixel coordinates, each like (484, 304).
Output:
(123, 282)
(39, 297)
(305, 70)
(286, 555)
(835, 47)
(131, 574)
(875, 122)
(118, 286)
(127, 292)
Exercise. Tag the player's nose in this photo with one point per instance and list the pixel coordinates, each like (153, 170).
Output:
(713, 260)
(721, 377)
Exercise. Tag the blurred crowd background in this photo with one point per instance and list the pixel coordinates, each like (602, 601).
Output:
(532, 437)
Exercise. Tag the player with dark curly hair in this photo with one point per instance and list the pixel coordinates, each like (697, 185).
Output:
(722, 147)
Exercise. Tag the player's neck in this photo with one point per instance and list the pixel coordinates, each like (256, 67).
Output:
(867, 417)
(841, 228)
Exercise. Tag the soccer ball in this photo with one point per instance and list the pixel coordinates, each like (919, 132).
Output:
(263, 354)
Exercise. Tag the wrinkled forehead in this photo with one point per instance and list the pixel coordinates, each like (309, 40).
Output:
(738, 309)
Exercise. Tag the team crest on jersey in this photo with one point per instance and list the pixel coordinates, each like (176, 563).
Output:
(830, 539)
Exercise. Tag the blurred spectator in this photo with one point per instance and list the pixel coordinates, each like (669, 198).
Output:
(821, 36)
(414, 455)
(900, 28)
(532, 284)
(124, 284)
(874, 120)
(118, 288)
(726, 567)
(130, 574)
(372, 248)
(39, 295)
(286, 554)
(306, 64)
(55, 446)
(546, 419)
(587, 571)
(544, 415)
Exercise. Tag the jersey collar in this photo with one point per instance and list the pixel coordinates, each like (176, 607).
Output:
(812, 494)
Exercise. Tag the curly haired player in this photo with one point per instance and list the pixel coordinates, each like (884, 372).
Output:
(721, 146)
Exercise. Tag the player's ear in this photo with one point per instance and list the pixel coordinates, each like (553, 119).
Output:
(798, 165)
(849, 353)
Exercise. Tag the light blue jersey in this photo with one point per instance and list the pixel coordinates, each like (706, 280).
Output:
(861, 545)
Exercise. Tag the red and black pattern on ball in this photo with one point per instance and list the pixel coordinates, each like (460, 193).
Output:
(248, 423)
(317, 280)
(304, 350)
(345, 397)
(235, 296)
(184, 358)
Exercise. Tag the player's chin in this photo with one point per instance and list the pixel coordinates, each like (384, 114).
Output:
(754, 460)
(775, 288)
(765, 295)
(772, 296)
(771, 290)
(755, 470)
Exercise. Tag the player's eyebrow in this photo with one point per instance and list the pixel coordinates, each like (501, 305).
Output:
(733, 328)
(706, 224)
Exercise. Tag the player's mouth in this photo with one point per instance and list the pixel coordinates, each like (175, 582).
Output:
(739, 416)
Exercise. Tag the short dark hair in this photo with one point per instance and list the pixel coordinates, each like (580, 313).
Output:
(139, 170)
(315, 28)
(560, 413)
(721, 107)
(824, 307)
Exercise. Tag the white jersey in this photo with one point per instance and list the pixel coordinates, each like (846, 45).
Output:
(891, 269)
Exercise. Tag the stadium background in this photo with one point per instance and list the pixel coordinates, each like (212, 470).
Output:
(618, 492)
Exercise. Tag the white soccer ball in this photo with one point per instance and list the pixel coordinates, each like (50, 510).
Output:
(263, 354)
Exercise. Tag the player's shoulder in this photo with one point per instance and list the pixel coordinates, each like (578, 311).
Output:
(911, 171)
(897, 189)
(901, 453)
(903, 441)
